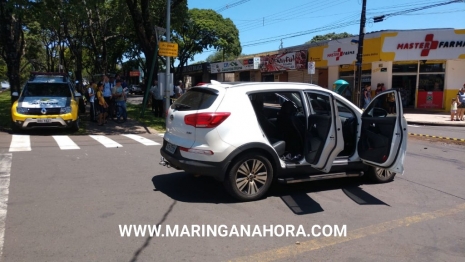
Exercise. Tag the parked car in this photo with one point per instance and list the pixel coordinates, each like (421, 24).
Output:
(136, 89)
(4, 85)
(250, 134)
(47, 100)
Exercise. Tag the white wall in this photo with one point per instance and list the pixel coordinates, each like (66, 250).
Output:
(381, 77)
(333, 75)
(455, 74)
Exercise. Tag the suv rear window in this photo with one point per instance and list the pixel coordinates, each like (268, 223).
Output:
(195, 99)
(47, 89)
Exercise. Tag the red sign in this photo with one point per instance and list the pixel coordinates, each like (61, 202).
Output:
(285, 61)
(430, 99)
(134, 73)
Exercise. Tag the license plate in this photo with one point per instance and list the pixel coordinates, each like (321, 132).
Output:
(170, 147)
(43, 121)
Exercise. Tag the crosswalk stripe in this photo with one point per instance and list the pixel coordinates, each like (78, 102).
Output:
(65, 143)
(142, 140)
(107, 142)
(20, 143)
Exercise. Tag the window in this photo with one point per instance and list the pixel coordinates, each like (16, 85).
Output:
(319, 103)
(195, 99)
(431, 82)
(46, 89)
(437, 67)
(405, 68)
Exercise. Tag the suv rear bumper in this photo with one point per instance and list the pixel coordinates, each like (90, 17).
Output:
(216, 170)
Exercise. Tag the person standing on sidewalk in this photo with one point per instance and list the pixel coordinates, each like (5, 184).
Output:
(157, 99)
(453, 109)
(102, 105)
(120, 100)
(91, 92)
(107, 87)
(461, 103)
(367, 96)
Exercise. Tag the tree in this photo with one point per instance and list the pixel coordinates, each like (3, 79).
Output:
(12, 39)
(205, 29)
(218, 56)
(146, 14)
(329, 36)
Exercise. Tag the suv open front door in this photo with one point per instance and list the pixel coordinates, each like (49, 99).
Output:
(383, 138)
(323, 137)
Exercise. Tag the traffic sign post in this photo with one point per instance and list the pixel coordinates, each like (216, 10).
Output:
(311, 70)
(168, 49)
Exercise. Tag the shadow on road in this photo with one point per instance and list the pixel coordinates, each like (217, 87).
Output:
(183, 187)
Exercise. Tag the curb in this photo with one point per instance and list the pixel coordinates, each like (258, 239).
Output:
(434, 124)
(441, 137)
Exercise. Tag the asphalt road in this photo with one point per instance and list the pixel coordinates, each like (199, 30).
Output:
(67, 205)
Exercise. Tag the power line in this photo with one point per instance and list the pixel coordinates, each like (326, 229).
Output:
(381, 18)
(228, 6)
(336, 25)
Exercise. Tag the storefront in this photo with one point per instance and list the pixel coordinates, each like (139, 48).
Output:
(425, 65)
(198, 73)
(238, 70)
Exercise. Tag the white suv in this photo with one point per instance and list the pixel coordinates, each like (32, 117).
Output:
(250, 134)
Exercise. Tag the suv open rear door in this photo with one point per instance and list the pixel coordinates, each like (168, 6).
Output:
(323, 137)
(383, 138)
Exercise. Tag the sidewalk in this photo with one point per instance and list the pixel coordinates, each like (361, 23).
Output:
(431, 118)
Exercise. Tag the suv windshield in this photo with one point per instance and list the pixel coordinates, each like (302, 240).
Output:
(46, 89)
(195, 99)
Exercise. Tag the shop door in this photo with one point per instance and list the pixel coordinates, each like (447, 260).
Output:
(244, 76)
(267, 78)
(323, 77)
(406, 85)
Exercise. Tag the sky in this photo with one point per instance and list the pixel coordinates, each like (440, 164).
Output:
(263, 24)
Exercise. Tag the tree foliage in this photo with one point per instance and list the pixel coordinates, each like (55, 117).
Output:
(329, 36)
(88, 37)
(206, 29)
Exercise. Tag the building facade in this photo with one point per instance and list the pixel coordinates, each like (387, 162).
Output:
(427, 66)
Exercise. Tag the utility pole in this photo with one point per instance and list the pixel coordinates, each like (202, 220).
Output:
(168, 66)
(361, 36)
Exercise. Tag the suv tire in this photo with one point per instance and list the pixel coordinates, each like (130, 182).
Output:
(379, 175)
(250, 177)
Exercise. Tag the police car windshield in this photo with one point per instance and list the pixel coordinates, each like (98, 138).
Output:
(46, 89)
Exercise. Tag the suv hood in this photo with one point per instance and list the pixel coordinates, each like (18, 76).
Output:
(39, 102)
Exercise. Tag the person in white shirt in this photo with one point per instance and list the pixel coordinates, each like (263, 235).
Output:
(157, 99)
(91, 92)
(107, 86)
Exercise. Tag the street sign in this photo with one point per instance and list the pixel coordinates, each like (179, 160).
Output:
(168, 49)
(311, 68)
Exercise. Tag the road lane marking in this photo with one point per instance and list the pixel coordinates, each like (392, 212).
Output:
(5, 171)
(142, 140)
(107, 142)
(441, 137)
(307, 246)
(20, 143)
(65, 143)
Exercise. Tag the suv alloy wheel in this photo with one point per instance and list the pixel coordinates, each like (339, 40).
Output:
(250, 177)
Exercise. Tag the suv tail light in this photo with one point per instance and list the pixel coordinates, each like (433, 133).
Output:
(206, 120)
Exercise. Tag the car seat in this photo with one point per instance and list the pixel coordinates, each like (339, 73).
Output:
(291, 128)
